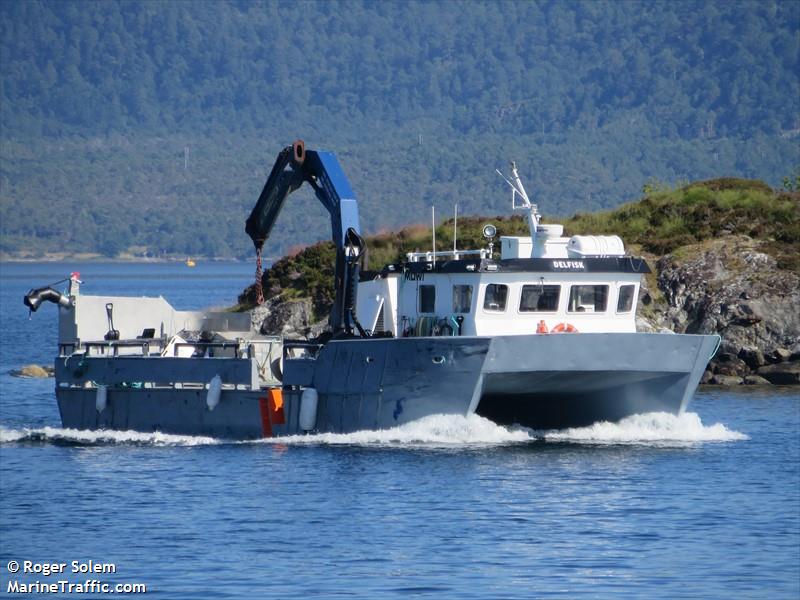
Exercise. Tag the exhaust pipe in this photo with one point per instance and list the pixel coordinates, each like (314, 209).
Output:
(34, 298)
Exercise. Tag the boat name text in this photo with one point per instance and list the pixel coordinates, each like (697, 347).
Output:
(568, 264)
(410, 276)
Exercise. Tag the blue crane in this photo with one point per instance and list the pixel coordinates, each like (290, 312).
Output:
(321, 170)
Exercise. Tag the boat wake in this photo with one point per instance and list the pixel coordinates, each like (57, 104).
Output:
(432, 431)
(435, 431)
(85, 437)
(651, 429)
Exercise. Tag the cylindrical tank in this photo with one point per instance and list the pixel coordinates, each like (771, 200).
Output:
(580, 246)
(308, 409)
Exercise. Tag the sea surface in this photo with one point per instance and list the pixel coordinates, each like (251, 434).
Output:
(706, 505)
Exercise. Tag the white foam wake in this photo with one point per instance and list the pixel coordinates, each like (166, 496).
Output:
(431, 431)
(653, 429)
(444, 431)
(102, 437)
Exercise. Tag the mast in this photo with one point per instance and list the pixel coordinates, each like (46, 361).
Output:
(517, 189)
(433, 231)
(455, 228)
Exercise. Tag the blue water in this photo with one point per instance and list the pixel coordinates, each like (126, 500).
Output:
(702, 506)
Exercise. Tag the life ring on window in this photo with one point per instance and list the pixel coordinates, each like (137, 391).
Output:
(564, 328)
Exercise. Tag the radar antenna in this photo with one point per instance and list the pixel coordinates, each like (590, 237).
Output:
(524, 203)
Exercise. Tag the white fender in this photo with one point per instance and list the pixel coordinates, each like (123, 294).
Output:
(308, 409)
(101, 398)
(214, 392)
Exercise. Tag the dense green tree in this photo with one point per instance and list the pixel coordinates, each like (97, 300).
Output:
(421, 100)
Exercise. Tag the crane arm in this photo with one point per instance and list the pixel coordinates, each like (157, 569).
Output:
(293, 167)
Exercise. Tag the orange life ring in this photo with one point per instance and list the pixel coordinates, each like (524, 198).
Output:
(564, 328)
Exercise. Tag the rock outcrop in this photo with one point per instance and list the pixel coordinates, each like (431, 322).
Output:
(292, 319)
(34, 371)
(730, 286)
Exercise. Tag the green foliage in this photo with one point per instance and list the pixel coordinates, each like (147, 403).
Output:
(792, 183)
(308, 274)
(730, 183)
(654, 186)
(151, 126)
(659, 224)
(664, 221)
(310, 277)
(697, 70)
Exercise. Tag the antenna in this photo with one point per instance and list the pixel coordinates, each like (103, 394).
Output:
(455, 227)
(517, 189)
(433, 228)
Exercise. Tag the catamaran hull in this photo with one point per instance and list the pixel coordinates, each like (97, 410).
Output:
(537, 381)
(559, 381)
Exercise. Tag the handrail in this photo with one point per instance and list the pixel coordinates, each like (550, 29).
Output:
(242, 349)
(208, 345)
(115, 345)
(454, 254)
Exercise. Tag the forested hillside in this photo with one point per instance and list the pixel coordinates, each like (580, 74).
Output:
(150, 127)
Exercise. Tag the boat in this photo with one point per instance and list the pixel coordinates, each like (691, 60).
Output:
(540, 333)
(190, 262)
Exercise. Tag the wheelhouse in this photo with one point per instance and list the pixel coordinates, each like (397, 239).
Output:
(503, 297)
(542, 283)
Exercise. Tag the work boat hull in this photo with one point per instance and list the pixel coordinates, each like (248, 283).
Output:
(538, 381)
(558, 381)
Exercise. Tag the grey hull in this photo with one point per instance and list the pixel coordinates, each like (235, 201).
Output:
(174, 411)
(362, 384)
(381, 383)
(539, 381)
(558, 381)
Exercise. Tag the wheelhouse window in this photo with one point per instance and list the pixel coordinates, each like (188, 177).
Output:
(495, 297)
(625, 299)
(588, 298)
(427, 298)
(539, 298)
(462, 298)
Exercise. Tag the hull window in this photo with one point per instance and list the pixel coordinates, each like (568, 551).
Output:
(539, 298)
(462, 298)
(588, 298)
(625, 300)
(495, 297)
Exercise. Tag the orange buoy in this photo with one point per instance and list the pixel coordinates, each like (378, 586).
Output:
(541, 327)
(564, 328)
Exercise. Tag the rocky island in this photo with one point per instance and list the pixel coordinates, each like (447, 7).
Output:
(725, 255)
